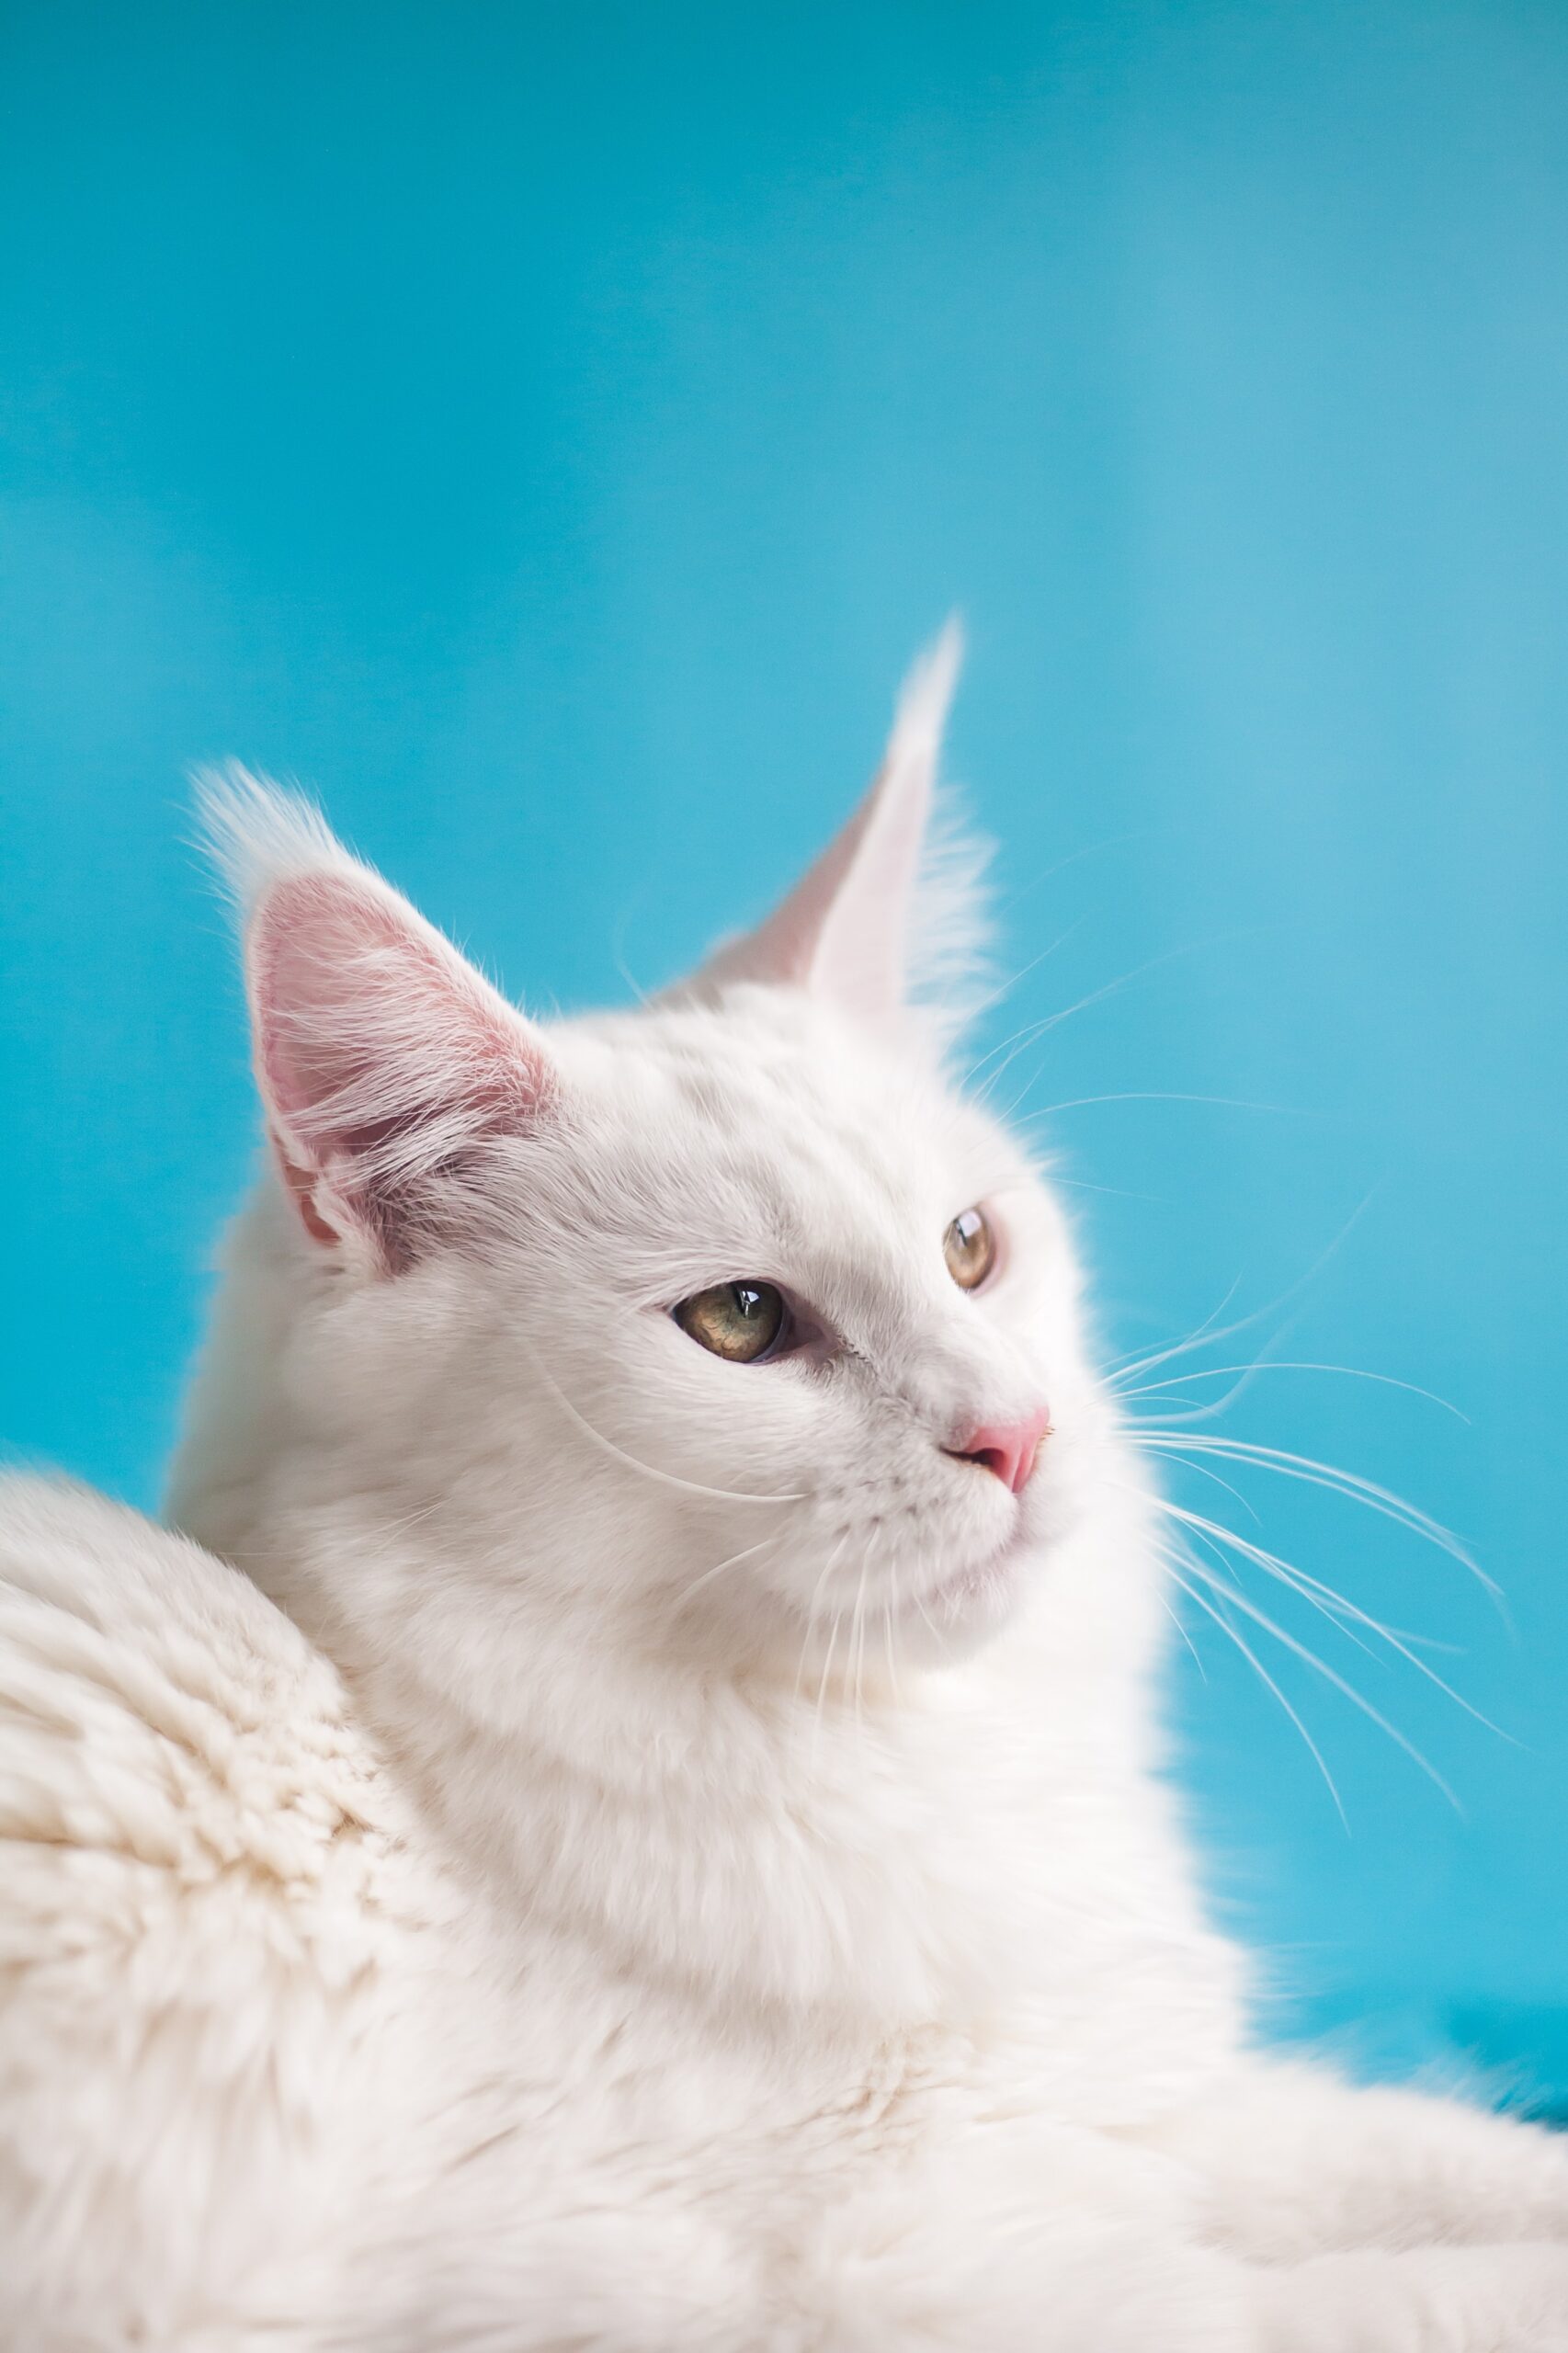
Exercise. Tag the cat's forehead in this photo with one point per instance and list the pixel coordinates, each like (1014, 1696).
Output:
(767, 1101)
(764, 1063)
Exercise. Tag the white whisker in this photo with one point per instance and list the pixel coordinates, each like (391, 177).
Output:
(1120, 1368)
(1123, 1369)
(814, 1605)
(888, 1609)
(822, 1685)
(1222, 1621)
(1005, 988)
(1297, 1578)
(1175, 1616)
(1329, 1605)
(1327, 1475)
(720, 1566)
(1246, 1372)
(1146, 1094)
(857, 1636)
(1319, 1667)
(1011, 1048)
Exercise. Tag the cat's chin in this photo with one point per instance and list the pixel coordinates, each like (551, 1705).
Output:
(964, 1609)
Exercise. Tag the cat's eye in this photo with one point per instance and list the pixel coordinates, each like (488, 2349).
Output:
(741, 1322)
(969, 1246)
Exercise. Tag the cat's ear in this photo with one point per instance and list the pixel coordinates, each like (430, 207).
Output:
(885, 916)
(384, 1060)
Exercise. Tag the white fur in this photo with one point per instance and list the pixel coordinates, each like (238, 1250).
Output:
(677, 1862)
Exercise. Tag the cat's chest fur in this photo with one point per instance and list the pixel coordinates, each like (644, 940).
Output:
(692, 1916)
(918, 1924)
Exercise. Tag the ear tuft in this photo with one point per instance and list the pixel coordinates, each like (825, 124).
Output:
(948, 930)
(258, 834)
(384, 1060)
(920, 717)
(889, 923)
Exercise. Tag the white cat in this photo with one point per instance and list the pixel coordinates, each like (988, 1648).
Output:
(639, 1835)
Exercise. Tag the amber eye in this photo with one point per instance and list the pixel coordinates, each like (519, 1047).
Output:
(969, 1248)
(740, 1322)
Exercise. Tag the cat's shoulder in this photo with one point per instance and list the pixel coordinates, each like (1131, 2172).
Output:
(158, 1715)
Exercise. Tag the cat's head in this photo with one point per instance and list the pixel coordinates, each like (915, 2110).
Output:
(732, 1316)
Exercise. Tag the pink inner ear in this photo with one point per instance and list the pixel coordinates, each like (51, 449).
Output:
(842, 927)
(862, 949)
(844, 931)
(382, 1055)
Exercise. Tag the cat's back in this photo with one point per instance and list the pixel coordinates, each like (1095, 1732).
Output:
(194, 1931)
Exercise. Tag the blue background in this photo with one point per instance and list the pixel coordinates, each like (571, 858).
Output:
(551, 432)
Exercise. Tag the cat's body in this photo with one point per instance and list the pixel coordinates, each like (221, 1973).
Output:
(678, 1862)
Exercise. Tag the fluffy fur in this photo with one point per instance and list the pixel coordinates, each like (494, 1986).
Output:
(612, 1850)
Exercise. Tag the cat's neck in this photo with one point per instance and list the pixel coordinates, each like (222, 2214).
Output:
(874, 1858)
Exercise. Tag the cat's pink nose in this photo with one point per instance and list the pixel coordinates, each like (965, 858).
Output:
(1009, 1448)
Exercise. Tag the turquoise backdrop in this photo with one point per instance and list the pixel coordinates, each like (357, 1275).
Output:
(549, 432)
